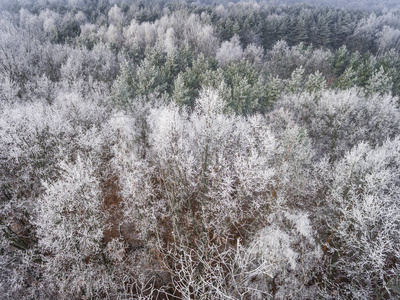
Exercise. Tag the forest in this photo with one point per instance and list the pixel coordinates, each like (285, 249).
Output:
(199, 150)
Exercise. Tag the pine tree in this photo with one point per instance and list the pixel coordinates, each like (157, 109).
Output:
(347, 80)
(274, 89)
(315, 83)
(340, 60)
(295, 83)
(181, 94)
(379, 83)
(123, 89)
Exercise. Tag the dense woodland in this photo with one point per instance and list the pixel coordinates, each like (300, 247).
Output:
(185, 150)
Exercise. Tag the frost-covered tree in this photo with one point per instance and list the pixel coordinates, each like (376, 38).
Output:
(99, 64)
(337, 121)
(364, 244)
(70, 226)
(212, 177)
(230, 51)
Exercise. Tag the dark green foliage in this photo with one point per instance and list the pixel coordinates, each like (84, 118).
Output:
(340, 60)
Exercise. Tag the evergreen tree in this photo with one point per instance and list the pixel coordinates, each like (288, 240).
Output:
(295, 83)
(379, 83)
(315, 83)
(347, 80)
(181, 94)
(340, 60)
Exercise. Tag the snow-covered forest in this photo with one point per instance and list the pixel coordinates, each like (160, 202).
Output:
(185, 150)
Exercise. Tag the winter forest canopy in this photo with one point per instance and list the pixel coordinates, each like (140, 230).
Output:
(186, 150)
